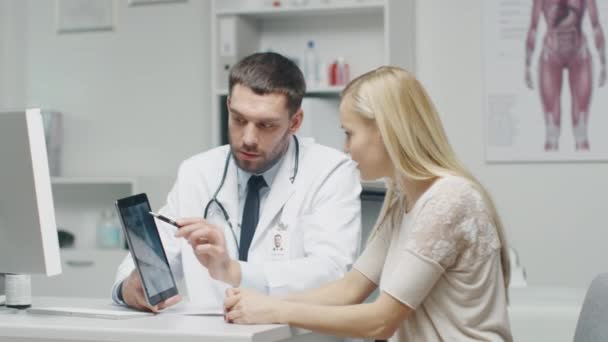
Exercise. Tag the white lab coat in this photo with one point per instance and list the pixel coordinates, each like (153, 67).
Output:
(319, 216)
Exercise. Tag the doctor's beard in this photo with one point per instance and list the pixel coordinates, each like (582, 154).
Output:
(267, 160)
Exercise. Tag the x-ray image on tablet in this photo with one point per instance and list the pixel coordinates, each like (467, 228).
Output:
(146, 248)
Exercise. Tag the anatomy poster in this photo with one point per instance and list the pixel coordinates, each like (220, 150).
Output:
(544, 69)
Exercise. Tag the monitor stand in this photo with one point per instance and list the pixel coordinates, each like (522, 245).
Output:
(3, 309)
(18, 288)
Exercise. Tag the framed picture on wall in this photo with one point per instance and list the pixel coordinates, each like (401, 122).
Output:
(84, 15)
(152, 2)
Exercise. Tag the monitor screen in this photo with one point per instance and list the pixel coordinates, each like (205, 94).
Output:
(28, 232)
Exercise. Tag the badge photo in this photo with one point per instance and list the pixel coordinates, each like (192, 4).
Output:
(279, 241)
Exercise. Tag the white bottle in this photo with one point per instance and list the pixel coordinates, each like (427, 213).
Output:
(311, 65)
(323, 75)
(297, 3)
(108, 230)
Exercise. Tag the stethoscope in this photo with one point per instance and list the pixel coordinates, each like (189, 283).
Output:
(215, 201)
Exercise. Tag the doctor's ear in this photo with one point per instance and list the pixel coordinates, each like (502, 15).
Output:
(295, 121)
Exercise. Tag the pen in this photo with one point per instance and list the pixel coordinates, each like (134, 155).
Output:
(164, 218)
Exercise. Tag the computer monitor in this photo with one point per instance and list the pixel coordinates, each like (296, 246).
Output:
(28, 232)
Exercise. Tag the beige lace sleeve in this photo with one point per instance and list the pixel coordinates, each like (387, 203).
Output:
(449, 227)
(371, 260)
(453, 223)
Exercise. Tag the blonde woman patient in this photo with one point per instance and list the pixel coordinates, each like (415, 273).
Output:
(437, 252)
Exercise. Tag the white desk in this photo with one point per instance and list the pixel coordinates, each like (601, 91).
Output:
(24, 327)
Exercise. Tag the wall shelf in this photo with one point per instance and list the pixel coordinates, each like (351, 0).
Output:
(312, 92)
(373, 190)
(91, 181)
(79, 202)
(343, 8)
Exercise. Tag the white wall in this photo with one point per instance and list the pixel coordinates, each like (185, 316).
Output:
(553, 212)
(136, 100)
(12, 52)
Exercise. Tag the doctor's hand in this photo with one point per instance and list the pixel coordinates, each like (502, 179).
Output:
(209, 246)
(134, 296)
(243, 306)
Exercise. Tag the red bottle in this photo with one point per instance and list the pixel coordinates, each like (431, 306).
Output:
(343, 72)
(333, 73)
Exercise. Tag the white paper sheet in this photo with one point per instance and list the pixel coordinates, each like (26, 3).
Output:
(189, 309)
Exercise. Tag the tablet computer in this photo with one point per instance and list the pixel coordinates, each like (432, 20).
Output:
(146, 248)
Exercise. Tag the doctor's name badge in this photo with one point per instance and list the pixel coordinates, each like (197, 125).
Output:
(279, 241)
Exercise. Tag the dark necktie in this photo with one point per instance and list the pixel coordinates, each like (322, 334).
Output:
(251, 214)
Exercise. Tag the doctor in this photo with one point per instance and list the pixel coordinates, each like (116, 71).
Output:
(234, 200)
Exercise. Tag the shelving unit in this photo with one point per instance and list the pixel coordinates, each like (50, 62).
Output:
(92, 181)
(311, 92)
(367, 33)
(259, 10)
(87, 271)
(373, 190)
(80, 201)
(84, 273)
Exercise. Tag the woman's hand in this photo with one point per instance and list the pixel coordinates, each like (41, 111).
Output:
(249, 307)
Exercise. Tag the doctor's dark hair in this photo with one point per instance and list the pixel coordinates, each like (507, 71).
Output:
(267, 73)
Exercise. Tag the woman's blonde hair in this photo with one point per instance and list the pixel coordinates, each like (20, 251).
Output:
(413, 136)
